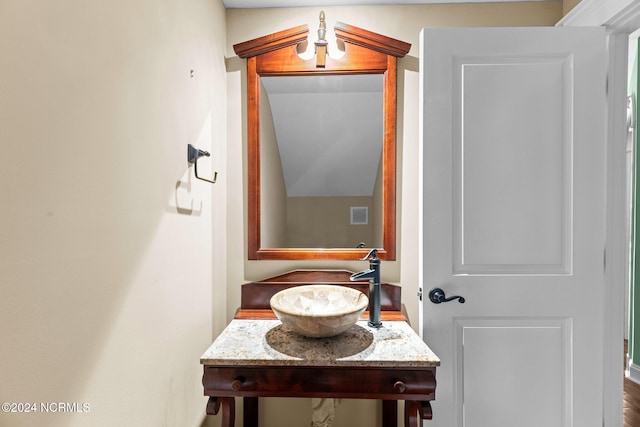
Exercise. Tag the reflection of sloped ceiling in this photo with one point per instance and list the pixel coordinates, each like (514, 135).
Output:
(329, 131)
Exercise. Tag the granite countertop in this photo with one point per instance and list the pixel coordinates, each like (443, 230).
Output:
(260, 342)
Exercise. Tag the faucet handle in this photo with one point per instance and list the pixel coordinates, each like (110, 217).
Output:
(373, 253)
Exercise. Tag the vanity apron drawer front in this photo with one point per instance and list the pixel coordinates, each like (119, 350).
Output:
(338, 382)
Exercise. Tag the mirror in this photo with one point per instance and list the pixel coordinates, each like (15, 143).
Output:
(320, 151)
(321, 141)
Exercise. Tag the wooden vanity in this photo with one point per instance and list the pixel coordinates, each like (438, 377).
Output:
(256, 357)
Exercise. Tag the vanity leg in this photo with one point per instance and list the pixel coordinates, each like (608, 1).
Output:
(389, 413)
(250, 411)
(228, 406)
(411, 418)
(414, 412)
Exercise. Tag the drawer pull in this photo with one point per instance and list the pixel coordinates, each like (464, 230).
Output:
(237, 383)
(399, 387)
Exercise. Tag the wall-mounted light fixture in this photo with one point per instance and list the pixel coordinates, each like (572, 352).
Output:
(321, 43)
(320, 49)
(193, 154)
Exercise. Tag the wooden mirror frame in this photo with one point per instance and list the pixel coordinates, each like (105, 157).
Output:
(276, 54)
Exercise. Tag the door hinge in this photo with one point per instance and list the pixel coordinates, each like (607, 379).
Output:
(420, 294)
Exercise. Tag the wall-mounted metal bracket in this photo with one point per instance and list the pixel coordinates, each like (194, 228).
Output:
(193, 154)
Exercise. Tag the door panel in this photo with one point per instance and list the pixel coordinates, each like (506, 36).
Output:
(514, 220)
(512, 216)
(508, 353)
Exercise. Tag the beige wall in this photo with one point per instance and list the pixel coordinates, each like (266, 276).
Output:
(326, 222)
(112, 257)
(401, 22)
(567, 5)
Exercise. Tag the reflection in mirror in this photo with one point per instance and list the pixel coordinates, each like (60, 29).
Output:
(321, 145)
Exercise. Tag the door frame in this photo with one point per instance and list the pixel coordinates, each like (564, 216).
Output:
(621, 18)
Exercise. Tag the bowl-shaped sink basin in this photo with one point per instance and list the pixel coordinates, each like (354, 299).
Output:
(319, 311)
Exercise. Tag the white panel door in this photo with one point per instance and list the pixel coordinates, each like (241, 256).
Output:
(513, 176)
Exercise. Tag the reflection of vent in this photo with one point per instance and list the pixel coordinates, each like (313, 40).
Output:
(359, 215)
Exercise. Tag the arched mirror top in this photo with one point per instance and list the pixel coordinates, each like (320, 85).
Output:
(281, 54)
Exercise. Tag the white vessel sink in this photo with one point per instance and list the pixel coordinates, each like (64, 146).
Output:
(319, 311)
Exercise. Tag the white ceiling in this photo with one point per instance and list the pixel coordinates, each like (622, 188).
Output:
(250, 4)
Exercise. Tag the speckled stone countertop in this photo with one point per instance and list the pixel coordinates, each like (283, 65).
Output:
(250, 342)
